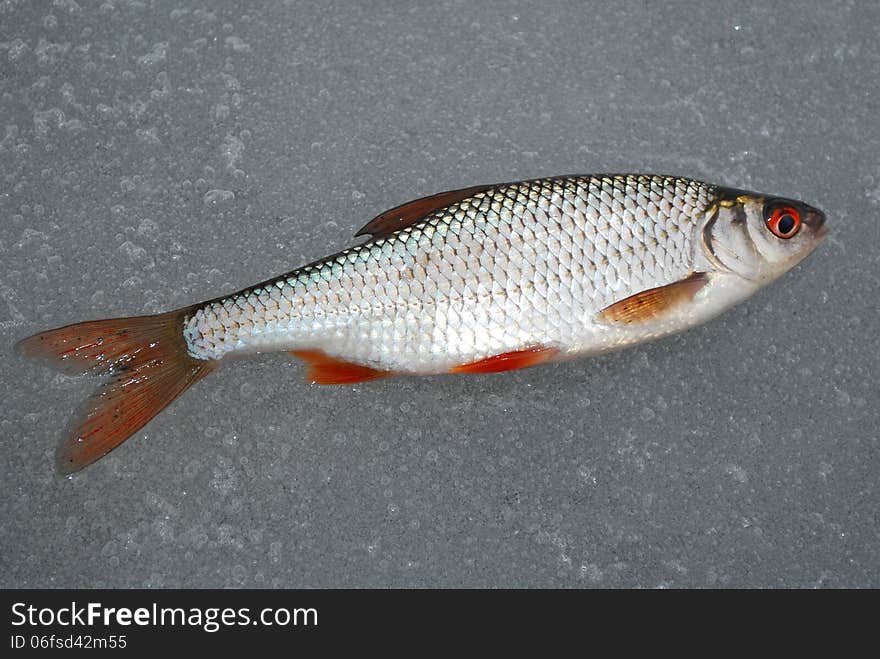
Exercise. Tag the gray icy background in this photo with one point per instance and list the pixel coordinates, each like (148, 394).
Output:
(153, 154)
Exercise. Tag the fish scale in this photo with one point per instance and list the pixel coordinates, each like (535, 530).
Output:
(513, 266)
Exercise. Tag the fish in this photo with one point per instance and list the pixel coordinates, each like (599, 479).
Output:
(484, 279)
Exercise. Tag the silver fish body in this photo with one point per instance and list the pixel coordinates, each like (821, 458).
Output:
(479, 280)
(532, 263)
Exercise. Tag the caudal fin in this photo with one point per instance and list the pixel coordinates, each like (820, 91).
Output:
(148, 366)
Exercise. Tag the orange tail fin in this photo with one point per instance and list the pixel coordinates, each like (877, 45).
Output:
(148, 366)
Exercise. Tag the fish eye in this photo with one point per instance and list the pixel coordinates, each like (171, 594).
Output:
(784, 222)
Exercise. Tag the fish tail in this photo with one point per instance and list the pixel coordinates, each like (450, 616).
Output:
(147, 364)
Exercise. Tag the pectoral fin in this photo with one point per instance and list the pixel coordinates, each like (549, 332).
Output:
(654, 302)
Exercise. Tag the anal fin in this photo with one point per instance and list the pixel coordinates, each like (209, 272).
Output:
(508, 361)
(324, 369)
(654, 302)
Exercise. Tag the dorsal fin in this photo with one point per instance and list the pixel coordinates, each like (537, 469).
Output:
(406, 214)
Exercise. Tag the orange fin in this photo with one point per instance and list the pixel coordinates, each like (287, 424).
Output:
(324, 369)
(148, 364)
(413, 211)
(654, 302)
(508, 361)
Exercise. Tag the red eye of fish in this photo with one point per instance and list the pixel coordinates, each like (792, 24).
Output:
(784, 222)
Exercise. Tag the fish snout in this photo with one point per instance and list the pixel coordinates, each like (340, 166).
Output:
(814, 219)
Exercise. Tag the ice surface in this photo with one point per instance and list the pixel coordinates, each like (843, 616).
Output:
(156, 154)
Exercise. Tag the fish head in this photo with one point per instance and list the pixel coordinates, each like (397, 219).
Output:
(760, 237)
